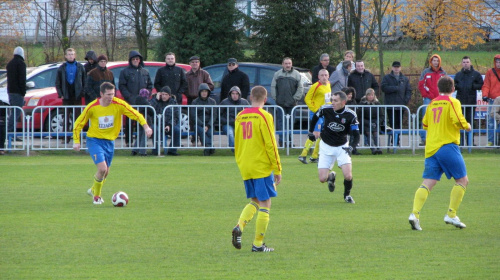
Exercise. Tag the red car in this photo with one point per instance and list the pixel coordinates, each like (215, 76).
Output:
(51, 121)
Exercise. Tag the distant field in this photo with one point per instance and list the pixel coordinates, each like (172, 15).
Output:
(182, 209)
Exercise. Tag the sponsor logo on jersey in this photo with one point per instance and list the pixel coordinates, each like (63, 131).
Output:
(333, 126)
(106, 122)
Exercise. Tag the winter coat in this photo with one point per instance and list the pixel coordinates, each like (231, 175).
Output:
(16, 75)
(133, 79)
(491, 87)
(467, 83)
(194, 79)
(317, 68)
(429, 79)
(228, 115)
(95, 78)
(160, 105)
(174, 77)
(287, 87)
(361, 82)
(338, 79)
(370, 116)
(235, 78)
(397, 89)
(203, 116)
(62, 85)
(88, 67)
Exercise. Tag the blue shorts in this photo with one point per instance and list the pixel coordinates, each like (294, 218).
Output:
(101, 150)
(447, 160)
(319, 124)
(262, 188)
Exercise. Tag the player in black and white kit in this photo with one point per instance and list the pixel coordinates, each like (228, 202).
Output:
(338, 124)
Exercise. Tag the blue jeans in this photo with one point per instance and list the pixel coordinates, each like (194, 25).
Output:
(175, 140)
(205, 137)
(140, 141)
(229, 131)
(280, 124)
(15, 100)
(423, 133)
(491, 124)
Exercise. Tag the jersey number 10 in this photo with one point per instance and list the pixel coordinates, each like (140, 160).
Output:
(247, 129)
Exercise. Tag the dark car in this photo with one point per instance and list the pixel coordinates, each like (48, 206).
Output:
(259, 74)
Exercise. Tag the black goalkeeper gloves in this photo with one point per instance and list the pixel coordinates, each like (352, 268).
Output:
(311, 136)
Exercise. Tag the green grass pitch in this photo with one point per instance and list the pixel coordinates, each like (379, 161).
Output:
(182, 210)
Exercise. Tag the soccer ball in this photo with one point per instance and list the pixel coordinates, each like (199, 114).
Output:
(119, 199)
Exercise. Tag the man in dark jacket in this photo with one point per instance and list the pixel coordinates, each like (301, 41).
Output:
(324, 63)
(234, 77)
(228, 115)
(171, 125)
(16, 85)
(96, 77)
(361, 79)
(172, 76)
(70, 85)
(467, 82)
(203, 117)
(92, 61)
(397, 90)
(132, 79)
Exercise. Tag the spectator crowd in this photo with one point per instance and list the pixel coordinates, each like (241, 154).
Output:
(172, 83)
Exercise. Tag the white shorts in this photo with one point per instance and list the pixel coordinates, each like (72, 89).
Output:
(329, 154)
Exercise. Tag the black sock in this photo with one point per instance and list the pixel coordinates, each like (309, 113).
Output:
(347, 187)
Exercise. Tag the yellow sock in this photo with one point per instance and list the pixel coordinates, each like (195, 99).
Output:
(420, 198)
(96, 188)
(261, 226)
(307, 146)
(457, 193)
(315, 153)
(247, 214)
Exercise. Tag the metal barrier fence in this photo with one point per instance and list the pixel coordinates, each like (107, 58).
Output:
(382, 127)
(12, 139)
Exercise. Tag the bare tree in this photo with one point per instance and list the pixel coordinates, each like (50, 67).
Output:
(64, 18)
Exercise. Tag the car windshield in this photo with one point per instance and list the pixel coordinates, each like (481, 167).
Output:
(3, 77)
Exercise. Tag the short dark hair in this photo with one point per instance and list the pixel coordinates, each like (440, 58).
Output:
(106, 86)
(446, 84)
(465, 57)
(169, 53)
(356, 63)
(341, 94)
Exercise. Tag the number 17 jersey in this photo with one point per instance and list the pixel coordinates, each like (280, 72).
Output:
(443, 120)
(255, 146)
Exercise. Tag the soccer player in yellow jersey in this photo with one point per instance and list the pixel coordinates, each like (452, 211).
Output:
(316, 97)
(257, 157)
(105, 115)
(443, 121)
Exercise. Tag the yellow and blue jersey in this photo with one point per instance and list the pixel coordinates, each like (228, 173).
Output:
(105, 122)
(255, 146)
(443, 121)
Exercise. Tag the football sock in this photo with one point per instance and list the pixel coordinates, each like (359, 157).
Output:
(261, 226)
(347, 187)
(247, 214)
(96, 188)
(457, 193)
(420, 197)
(315, 153)
(307, 146)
